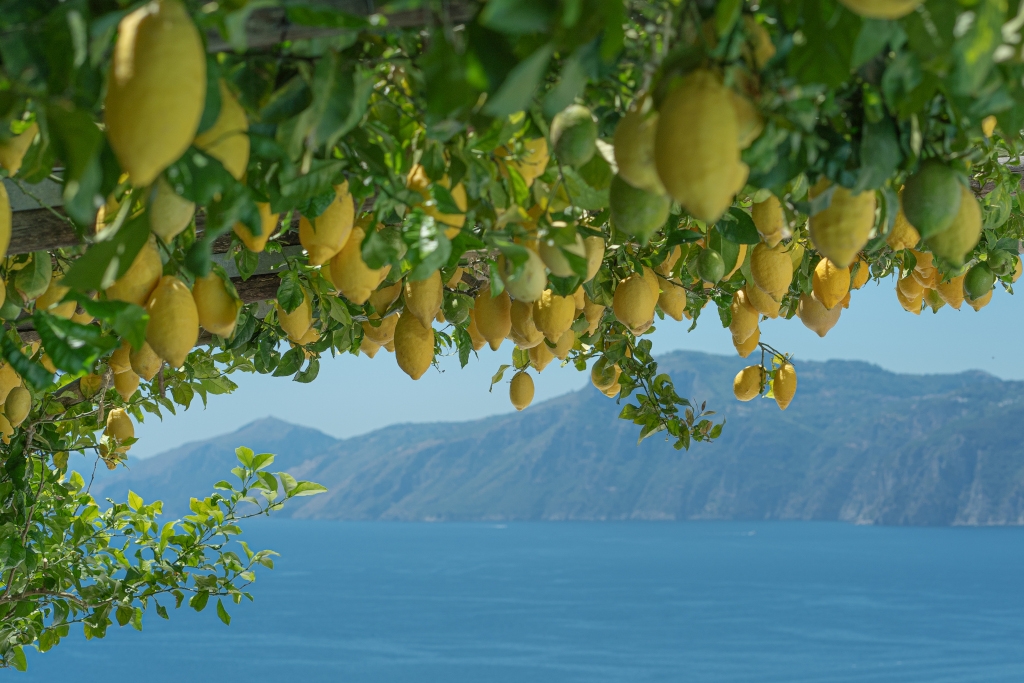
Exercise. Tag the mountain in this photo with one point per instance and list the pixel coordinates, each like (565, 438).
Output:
(858, 444)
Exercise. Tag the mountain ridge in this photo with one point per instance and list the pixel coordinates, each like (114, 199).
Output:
(858, 444)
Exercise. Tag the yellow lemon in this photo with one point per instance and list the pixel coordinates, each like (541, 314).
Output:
(697, 151)
(217, 307)
(169, 214)
(227, 140)
(418, 181)
(634, 302)
(144, 362)
(384, 333)
(521, 390)
(903, 235)
(882, 9)
(594, 248)
(479, 341)
(768, 219)
(126, 384)
(744, 317)
(268, 223)
(952, 292)
(540, 356)
(531, 281)
(119, 427)
(762, 302)
(141, 278)
(423, 298)
(672, 300)
(493, 316)
(553, 314)
(414, 346)
(156, 89)
(18, 405)
(50, 301)
(860, 274)
(745, 348)
(748, 382)
(524, 330)
(298, 322)
(784, 385)
(350, 274)
(326, 235)
(771, 269)
(830, 283)
(173, 327)
(815, 316)
(841, 230)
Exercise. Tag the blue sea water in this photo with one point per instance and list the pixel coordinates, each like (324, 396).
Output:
(792, 602)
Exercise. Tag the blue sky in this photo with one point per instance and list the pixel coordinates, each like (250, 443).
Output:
(357, 395)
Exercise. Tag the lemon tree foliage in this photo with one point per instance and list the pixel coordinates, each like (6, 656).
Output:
(565, 175)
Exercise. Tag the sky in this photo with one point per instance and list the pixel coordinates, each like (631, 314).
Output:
(356, 395)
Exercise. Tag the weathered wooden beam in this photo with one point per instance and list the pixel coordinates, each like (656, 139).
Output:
(270, 26)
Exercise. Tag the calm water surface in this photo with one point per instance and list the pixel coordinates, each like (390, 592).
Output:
(563, 602)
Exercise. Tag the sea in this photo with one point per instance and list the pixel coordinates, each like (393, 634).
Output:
(607, 602)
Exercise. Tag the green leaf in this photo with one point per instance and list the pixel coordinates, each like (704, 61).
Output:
(71, 346)
(79, 142)
(199, 600)
(244, 455)
(517, 16)
(341, 90)
(498, 375)
(262, 461)
(581, 193)
(310, 373)
(290, 293)
(35, 375)
(306, 488)
(20, 663)
(107, 260)
(290, 362)
(223, 613)
(874, 35)
(880, 154)
(518, 89)
(830, 32)
(34, 278)
(737, 226)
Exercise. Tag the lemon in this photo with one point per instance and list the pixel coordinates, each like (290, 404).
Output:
(479, 341)
(227, 140)
(268, 223)
(830, 283)
(933, 300)
(747, 347)
(50, 301)
(216, 306)
(978, 281)
(579, 298)
(6, 429)
(652, 280)
(423, 298)
(368, 347)
(350, 274)
(784, 385)
(981, 302)
(493, 316)
(524, 330)
(119, 427)
(564, 345)
(382, 298)
(909, 286)
(604, 374)
(760, 40)
(533, 162)
(311, 336)
(89, 385)
(634, 302)
(815, 316)
(744, 317)
(594, 248)
(771, 269)
(882, 9)
(326, 235)
(636, 212)
(414, 346)
(417, 180)
(634, 147)
(842, 230)
(860, 273)
(156, 89)
(9, 378)
(18, 405)
(903, 234)
(126, 384)
(12, 150)
(956, 242)
(521, 390)
(141, 278)
(748, 120)
(120, 359)
(952, 292)
(673, 300)
(144, 362)
(530, 283)
(553, 314)
(455, 279)
(710, 266)
(666, 266)
(383, 334)
(540, 357)
(553, 257)
(931, 198)
(169, 214)
(173, 327)
(988, 126)
(697, 150)
(768, 219)
(796, 254)
(748, 382)
(593, 313)
(762, 302)
(298, 322)
(574, 135)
